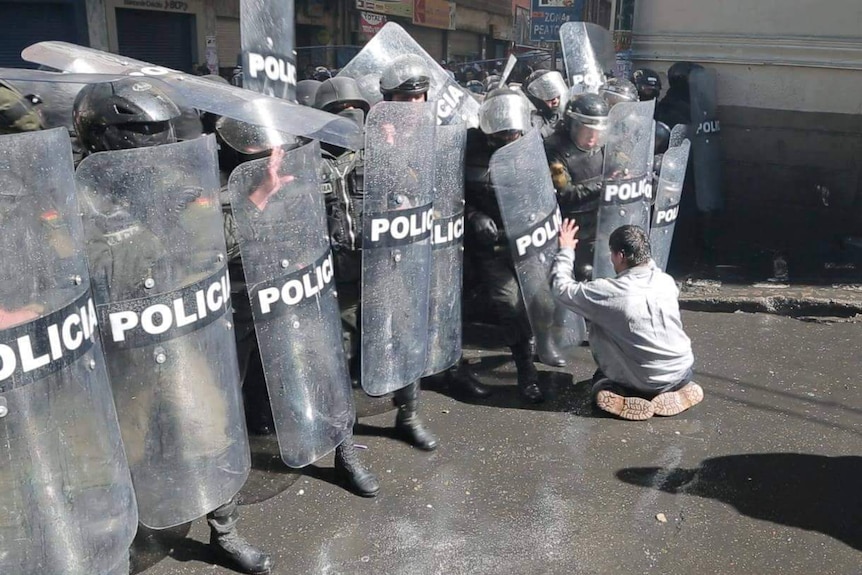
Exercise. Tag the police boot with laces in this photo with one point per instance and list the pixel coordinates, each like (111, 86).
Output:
(528, 377)
(461, 380)
(408, 425)
(350, 471)
(232, 546)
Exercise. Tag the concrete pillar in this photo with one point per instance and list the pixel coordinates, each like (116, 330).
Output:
(97, 24)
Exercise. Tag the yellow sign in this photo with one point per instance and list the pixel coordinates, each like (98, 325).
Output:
(434, 14)
(402, 8)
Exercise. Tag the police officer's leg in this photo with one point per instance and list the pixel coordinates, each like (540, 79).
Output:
(224, 538)
(258, 412)
(349, 469)
(408, 425)
(505, 295)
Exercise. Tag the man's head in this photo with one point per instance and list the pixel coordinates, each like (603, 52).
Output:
(18, 113)
(341, 95)
(547, 90)
(127, 113)
(617, 90)
(406, 79)
(630, 247)
(504, 116)
(677, 75)
(587, 120)
(648, 84)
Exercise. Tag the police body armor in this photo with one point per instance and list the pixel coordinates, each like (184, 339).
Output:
(444, 340)
(628, 172)
(705, 140)
(588, 54)
(68, 505)
(396, 244)
(668, 193)
(290, 273)
(454, 104)
(157, 256)
(532, 221)
(585, 169)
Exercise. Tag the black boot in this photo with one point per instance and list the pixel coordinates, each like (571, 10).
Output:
(408, 426)
(349, 470)
(230, 545)
(528, 377)
(461, 380)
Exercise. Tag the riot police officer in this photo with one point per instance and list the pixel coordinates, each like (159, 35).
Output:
(675, 107)
(306, 90)
(616, 90)
(18, 113)
(648, 84)
(127, 114)
(504, 117)
(576, 162)
(547, 90)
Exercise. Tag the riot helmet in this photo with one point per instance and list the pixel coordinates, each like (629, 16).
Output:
(18, 113)
(127, 113)
(677, 74)
(547, 90)
(251, 139)
(475, 86)
(339, 93)
(406, 78)
(587, 120)
(504, 116)
(616, 90)
(662, 137)
(306, 91)
(648, 84)
(321, 73)
(492, 82)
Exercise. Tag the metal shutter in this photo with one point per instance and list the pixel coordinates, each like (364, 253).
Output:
(464, 46)
(431, 39)
(163, 38)
(228, 41)
(26, 23)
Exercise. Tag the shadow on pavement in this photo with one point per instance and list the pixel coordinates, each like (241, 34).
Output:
(811, 492)
(269, 475)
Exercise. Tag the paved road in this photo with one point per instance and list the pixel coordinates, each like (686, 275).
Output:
(761, 478)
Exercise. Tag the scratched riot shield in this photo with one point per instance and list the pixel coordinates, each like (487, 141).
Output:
(156, 248)
(68, 505)
(627, 194)
(397, 223)
(528, 206)
(705, 140)
(667, 196)
(454, 103)
(678, 133)
(90, 65)
(288, 265)
(588, 53)
(444, 343)
(268, 56)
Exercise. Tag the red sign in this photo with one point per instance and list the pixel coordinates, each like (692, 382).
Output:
(370, 23)
(434, 14)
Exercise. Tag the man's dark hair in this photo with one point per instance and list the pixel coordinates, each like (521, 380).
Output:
(633, 243)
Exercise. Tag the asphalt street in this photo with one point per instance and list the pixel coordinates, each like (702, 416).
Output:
(761, 478)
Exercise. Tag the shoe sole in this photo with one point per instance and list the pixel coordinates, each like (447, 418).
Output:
(630, 408)
(675, 402)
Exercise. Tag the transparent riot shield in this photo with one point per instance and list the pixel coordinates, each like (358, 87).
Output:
(289, 269)
(528, 206)
(268, 55)
(705, 141)
(67, 505)
(444, 340)
(454, 103)
(667, 196)
(627, 194)
(92, 65)
(156, 248)
(588, 54)
(396, 244)
(678, 133)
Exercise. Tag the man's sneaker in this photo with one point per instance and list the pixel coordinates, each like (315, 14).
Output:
(631, 408)
(675, 402)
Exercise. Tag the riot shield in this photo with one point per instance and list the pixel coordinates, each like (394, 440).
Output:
(156, 248)
(268, 57)
(68, 505)
(397, 224)
(92, 65)
(289, 269)
(667, 197)
(444, 342)
(588, 54)
(627, 194)
(531, 216)
(454, 103)
(678, 133)
(705, 142)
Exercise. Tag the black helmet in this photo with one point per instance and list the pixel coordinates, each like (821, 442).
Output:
(321, 73)
(677, 75)
(616, 90)
(407, 74)
(339, 92)
(306, 90)
(588, 110)
(127, 113)
(18, 112)
(648, 84)
(662, 137)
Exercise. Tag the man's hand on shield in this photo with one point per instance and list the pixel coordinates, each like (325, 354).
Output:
(272, 182)
(11, 318)
(484, 228)
(569, 234)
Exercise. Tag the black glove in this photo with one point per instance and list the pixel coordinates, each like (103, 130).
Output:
(484, 228)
